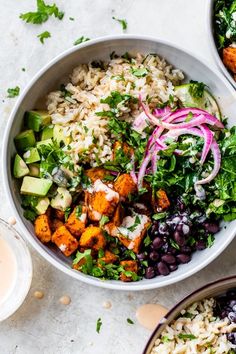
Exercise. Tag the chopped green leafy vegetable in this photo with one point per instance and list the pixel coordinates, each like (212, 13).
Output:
(42, 36)
(98, 325)
(141, 72)
(81, 40)
(196, 89)
(186, 336)
(104, 220)
(130, 321)
(78, 211)
(123, 22)
(42, 14)
(67, 213)
(13, 92)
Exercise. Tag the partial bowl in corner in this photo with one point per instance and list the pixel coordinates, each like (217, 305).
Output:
(213, 290)
(50, 77)
(211, 39)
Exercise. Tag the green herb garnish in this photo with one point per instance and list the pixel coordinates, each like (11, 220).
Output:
(186, 336)
(67, 213)
(104, 220)
(42, 14)
(98, 325)
(130, 321)
(42, 36)
(78, 211)
(123, 22)
(13, 92)
(141, 72)
(81, 40)
(196, 89)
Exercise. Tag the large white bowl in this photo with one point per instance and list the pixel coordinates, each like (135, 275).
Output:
(211, 39)
(50, 77)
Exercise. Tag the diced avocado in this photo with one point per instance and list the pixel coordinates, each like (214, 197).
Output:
(34, 169)
(206, 102)
(37, 119)
(20, 168)
(62, 200)
(31, 155)
(47, 133)
(42, 205)
(35, 186)
(25, 140)
(44, 142)
(58, 135)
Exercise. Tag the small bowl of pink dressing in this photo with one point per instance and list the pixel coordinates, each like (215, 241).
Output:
(15, 270)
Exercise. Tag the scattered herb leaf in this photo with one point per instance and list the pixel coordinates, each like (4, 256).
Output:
(123, 22)
(42, 36)
(13, 92)
(81, 40)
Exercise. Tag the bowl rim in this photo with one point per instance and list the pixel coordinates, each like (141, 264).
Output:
(183, 301)
(115, 285)
(214, 51)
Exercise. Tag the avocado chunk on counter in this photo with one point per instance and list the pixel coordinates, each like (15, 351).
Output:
(20, 169)
(35, 186)
(25, 140)
(31, 155)
(47, 133)
(35, 120)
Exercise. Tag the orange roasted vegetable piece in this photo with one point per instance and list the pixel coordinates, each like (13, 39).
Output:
(125, 186)
(162, 202)
(65, 241)
(59, 214)
(130, 266)
(42, 228)
(76, 224)
(229, 58)
(108, 258)
(93, 238)
(55, 224)
(96, 173)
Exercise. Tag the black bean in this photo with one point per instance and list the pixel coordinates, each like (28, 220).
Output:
(157, 243)
(179, 228)
(154, 230)
(172, 250)
(232, 316)
(149, 273)
(168, 258)
(183, 258)
(141, 256)
(185, 249)
(232, 304)
(211, 227)
(163, 229)
(231, 294)
(163, 269)
(154, 256)
(224, 314)
(173, 267)
(180, 240)
(231, 337)
(200, 245)
(165, 247)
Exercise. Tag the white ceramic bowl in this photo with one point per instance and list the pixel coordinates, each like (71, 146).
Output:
(23, 276)
(50, 77)
(211, 39)
(216, 288)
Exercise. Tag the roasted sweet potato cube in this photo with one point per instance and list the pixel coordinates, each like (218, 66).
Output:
(132, 240)
(129, 266)
(76, 224)
(42, 228)
(161, 201)
(59, 214)
(65, 241)
(125, 185)
(229, 58)
(109, 257)
(93, 238)
(55, 224)
(118, 215)
(97, 173)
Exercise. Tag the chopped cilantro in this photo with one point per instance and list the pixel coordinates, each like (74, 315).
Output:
(42, 14)
(137, 221)
(174, 244)
(30, 215)
(165, 339)
(159, 216)
(130, 321)
(147, 241)
(22, 69)
(81, 40)
(210, 240)
(80, 256)
(13, 92)
(196, 89)
(123, 22)
(71, 18)
(78, 211)
(67, 213)
(186, 336)
(104, 220)
(42, 36)
(98, 325)
(101, 253)
(188, 315)
(141, 72)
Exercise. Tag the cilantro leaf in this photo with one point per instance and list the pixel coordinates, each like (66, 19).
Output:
(80, 256)
(186, 336)
(13, 92)
(42, 14)
(104, 220)
(196, 89)
(98, 325)
(78, 211)
(130, 321)
(123, 22)
(141, 72)
(42, 36)
(67, 213)
(81, 40)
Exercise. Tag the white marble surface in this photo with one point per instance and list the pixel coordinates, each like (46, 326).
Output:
(45, 326)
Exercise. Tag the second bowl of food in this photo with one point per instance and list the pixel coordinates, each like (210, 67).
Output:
(203, 322)
(120, 163)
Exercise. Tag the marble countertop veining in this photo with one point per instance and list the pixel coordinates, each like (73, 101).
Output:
(46, 326)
